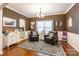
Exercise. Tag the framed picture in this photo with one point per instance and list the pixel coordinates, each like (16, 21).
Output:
(9, 22)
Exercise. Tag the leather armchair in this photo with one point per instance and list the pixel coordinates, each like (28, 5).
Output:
(33, 36)
(53, 39)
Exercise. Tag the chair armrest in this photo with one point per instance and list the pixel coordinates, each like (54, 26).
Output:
(45, 36)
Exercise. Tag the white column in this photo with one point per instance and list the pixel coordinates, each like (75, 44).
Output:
(1, 36)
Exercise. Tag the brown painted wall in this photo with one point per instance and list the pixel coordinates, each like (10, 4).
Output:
(74, 13)
(12, 14)
(56, 18)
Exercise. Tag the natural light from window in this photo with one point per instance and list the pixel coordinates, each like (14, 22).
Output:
(44, 26)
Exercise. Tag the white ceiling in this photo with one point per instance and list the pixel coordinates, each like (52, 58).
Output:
(31, 9)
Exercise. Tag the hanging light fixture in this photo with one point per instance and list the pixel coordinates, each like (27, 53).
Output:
(40, 14)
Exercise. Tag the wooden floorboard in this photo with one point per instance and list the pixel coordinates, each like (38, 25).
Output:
(14, 50)
(68, 49)
(17, 51)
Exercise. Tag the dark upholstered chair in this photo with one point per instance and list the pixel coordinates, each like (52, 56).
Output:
(51, 38)
(33, 36)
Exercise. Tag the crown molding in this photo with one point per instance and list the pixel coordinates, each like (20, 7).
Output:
(70, 7)
(15, 11)
(2, 5)
(48, 15)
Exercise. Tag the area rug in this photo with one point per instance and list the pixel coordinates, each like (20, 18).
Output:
(44, 48)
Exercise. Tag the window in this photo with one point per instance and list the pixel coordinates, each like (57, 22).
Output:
(22, 23)
(40, 26)
(44, 26)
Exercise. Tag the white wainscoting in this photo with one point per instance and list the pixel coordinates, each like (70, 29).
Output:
(60, 35)
(1, 32)
(73, 40)
(26, 34)
(1, 44)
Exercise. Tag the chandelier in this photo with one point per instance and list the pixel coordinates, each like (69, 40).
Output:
(40, 14)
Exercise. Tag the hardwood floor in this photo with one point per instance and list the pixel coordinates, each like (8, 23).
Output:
(14, 50)
(69, 50)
